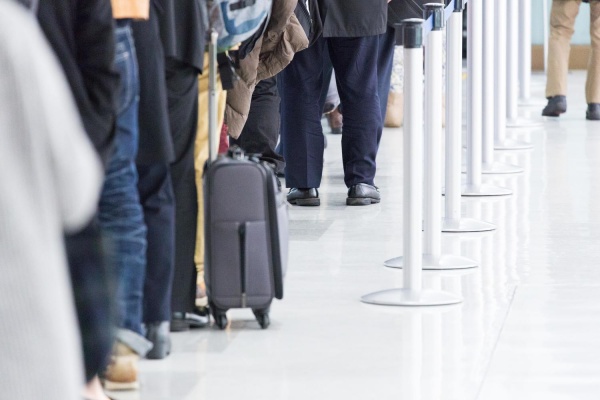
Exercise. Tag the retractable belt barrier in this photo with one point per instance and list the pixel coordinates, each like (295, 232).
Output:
(486, 119)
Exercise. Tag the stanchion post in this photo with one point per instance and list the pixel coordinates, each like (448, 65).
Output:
(432, 218)
(413, 293)
(494, 93)
(474, 186)
(525, 50)
(453, 220)
(512, 79)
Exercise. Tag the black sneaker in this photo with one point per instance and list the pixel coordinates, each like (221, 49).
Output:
(556, 105)
(593, 112)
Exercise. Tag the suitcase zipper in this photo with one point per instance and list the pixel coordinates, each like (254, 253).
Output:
(242, 234)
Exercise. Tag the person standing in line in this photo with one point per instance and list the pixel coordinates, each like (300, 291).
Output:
(184, 62)
(351, 34)
(562, 22)
(81, 34)
(50, 179)
(120, 213)
(154, 184)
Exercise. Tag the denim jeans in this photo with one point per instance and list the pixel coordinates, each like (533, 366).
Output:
(120, 213)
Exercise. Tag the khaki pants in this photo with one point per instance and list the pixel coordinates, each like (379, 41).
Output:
(562, 21)
(201, 155)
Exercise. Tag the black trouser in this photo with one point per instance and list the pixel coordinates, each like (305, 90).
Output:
(182, 89)
(387, 43)
(156, 197)
(261, 132)
(355, 62)
(93, 293)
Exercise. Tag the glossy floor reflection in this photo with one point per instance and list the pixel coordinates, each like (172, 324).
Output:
(529, 327)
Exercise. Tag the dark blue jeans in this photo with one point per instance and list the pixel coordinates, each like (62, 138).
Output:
(120, 213)
(355, 61)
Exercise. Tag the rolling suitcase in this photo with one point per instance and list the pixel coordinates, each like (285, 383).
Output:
(246, 227)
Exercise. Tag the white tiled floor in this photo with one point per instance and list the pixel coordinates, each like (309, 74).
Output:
(529, 327)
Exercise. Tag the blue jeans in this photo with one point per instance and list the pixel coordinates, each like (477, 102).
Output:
(120, 213)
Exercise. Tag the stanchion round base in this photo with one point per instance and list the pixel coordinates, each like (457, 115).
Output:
(444, 262)
(523, 123)
(500, 168)
(511, 144)
(411, 298)
(466, 225)
(485, 190)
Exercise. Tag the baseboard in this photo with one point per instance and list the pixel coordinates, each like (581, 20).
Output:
(578, 59)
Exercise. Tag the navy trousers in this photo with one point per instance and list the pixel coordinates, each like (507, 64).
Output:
(355, 61)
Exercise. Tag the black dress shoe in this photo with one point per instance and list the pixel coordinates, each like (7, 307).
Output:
(593, 112)
(363, 195)
(304, 197)
(556, 105)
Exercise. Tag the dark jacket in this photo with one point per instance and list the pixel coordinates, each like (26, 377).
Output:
(353, 18)
(81, 33)
(151, 38)
(176, 30)
(188, 24)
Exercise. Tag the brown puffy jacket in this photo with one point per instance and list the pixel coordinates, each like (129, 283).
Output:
(273, 52)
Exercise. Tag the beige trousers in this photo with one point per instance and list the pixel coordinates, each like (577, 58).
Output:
(562, 22)
(201, 155)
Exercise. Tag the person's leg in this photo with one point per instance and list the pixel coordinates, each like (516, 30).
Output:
(355, 64)
(92, 281)
(302, 140)
(592, 87)
(261, 132)
(156, 196)
(562, 21)
(121, 220)
(182, 88)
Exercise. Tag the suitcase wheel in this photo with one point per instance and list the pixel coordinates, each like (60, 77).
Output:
(263, 319)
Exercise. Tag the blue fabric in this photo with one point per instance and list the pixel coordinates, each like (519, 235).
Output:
(120, 213)
(355, 61)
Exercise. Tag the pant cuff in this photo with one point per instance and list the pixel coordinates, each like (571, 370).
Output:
(134, 341)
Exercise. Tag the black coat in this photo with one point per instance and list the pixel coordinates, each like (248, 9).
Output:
(151, 38)
(81, 33)
(176, 30)
(189, 32)
(353, 18)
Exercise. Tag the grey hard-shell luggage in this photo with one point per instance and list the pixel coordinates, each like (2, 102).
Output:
(246, 227)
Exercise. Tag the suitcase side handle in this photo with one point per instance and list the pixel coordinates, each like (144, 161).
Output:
(213, 134)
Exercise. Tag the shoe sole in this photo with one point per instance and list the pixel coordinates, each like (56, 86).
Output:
(361, 201)
(592, 118)
(556, 113)
(306, 202)
(120, 386)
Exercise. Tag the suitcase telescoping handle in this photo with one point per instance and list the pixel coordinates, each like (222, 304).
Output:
(213, 130)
